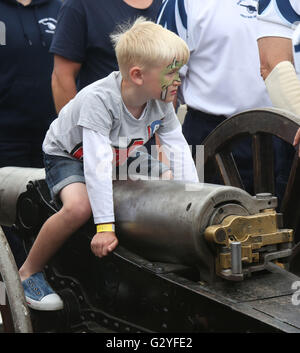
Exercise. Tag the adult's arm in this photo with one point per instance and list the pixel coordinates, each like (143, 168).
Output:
(272, 51)
(63, 82)
(275, 27)
(276, 53)
(69, 49)
(283, 85)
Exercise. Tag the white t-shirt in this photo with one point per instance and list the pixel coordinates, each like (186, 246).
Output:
(222, 76)
(100, 107)
(278, 18)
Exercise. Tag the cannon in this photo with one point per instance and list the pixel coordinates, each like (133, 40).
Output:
(192, 257)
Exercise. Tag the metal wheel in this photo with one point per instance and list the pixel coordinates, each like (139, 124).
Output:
(14, 311)
(260, 125)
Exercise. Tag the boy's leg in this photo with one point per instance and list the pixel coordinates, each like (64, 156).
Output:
(56, 230)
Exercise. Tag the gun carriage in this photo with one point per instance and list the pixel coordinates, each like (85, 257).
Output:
(192, 257)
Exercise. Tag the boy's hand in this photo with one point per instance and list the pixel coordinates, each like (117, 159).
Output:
(103, 243)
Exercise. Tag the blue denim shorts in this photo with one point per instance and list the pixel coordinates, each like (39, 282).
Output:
(60, 172)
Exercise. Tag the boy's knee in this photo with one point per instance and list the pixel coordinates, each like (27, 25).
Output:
(77, 212)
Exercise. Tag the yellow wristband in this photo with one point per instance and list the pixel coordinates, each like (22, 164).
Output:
(109, 227)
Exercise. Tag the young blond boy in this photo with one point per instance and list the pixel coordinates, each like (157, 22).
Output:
(127, 106)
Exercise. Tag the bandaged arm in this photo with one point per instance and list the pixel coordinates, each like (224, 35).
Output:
(283, 87)
(178, 152)
(98, 156)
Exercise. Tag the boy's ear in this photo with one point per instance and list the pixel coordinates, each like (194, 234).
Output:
(136, 75)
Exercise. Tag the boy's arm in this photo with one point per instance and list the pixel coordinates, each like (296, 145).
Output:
(97, 159)
(179, 154)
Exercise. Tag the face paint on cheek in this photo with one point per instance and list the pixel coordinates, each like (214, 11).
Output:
(164, 82)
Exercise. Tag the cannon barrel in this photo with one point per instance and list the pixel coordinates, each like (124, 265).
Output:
(200, 224)
(189, 223)
(13, 182)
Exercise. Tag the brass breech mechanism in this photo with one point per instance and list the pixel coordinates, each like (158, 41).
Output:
(245, 244)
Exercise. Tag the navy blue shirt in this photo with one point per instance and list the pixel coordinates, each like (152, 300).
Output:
(26, 103)
(82, 34)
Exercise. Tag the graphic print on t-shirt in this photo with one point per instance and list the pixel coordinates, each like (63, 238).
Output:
(49, 24)
(248, 8)
(121, 154)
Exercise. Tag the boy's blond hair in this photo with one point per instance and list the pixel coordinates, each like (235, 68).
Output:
(146, 44)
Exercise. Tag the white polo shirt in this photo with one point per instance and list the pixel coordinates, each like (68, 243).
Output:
(278, 18)
(222, 76)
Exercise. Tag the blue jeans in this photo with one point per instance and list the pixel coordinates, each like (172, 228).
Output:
(60, 172)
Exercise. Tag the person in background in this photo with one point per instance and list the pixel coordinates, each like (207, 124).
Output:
(26, 103)
(83, 52)
(276, 22)
(222, 77)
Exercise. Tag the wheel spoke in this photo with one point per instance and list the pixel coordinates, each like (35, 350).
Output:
(291, 201)
(228, 169)
(263, 163)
